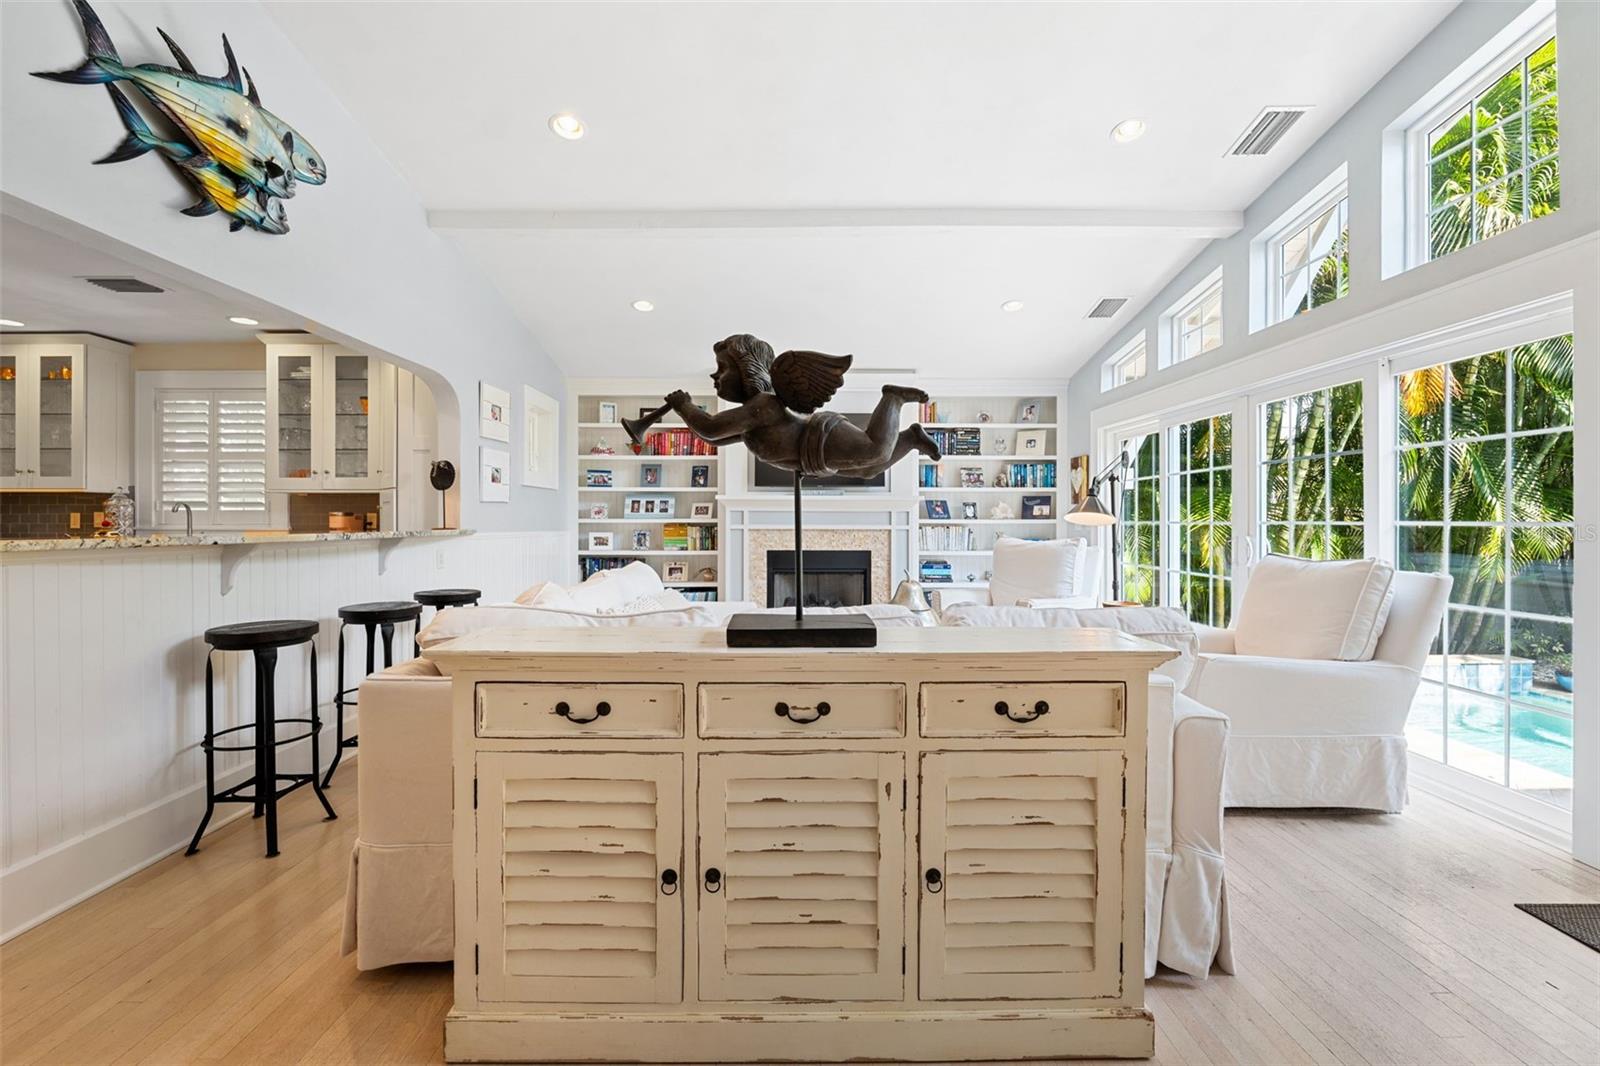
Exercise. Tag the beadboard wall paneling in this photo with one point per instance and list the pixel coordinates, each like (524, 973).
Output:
(104, 685)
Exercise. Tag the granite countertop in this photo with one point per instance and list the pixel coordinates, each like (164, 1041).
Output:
(205, 540)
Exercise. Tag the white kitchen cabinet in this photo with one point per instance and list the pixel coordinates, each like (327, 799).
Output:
(330, 419)
(940, 832)
(66, 414)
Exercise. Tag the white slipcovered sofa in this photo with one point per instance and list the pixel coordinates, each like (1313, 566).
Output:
(1040, 573)
(1186, 900)
(1316, 678)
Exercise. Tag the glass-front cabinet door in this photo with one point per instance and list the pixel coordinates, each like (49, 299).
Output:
(355, 389)
(56, 421)
(8, 420)
(294, 394)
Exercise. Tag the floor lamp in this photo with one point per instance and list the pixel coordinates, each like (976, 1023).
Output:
(1091, 512)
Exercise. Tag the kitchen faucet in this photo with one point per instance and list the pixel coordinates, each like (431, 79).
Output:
(188, 517)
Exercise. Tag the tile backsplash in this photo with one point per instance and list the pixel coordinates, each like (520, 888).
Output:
(308, 511)
(46, 515)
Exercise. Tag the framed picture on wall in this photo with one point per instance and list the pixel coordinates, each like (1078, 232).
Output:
(541, 430)
(494, 475)
(494, 412)
(1079, 478)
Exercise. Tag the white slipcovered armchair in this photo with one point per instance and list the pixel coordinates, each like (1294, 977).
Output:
(1319, 732)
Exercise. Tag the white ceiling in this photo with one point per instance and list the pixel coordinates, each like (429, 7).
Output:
(867, 108)
(42, 286)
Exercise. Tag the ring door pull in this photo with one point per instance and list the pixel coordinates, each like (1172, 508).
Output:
(800, 715)
(564, 709)
(934, 880)
(713, 880)
(1039, 709)
(669, 882)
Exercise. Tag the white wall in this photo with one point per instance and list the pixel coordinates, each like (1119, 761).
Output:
(360, 265)
(101, 771)
(1357, 140)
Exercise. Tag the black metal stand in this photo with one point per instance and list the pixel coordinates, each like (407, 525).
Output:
(816, 631)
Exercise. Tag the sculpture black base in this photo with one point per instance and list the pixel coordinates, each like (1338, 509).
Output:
(812, 631)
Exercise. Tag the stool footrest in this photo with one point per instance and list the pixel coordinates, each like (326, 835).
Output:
(237, 795)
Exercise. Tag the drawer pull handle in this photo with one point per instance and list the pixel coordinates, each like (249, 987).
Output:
(669, 882)
(564, 709)
(783, 710)
(1039, 708)
(713, 880)
(934, 880)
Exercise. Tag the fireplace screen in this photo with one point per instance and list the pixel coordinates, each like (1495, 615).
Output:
(833, 578)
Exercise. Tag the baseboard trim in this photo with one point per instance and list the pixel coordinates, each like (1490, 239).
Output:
(1528, 817)
(32, 892)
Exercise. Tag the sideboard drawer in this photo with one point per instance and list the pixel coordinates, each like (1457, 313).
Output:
(563, 709)
(740, 710)
(1043, 708)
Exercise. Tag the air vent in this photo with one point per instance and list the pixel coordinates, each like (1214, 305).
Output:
(1267, 130)
(124, 284)
(1108, 307)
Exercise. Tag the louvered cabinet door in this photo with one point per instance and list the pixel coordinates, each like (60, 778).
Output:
(801, 876)
(1021, 857)
(574, 901)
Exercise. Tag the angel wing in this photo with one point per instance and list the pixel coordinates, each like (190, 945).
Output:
(804, 381)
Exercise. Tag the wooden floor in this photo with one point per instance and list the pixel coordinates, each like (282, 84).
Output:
(1360, 939)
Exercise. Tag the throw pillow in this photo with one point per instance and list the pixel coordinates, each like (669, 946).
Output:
(1314, 609)
(1029, 569)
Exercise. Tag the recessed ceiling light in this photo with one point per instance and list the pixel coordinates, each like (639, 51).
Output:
(13, 323)
(1129, 129)
(1011, 305)
(566, 125)
(240, 320)
(643, 305)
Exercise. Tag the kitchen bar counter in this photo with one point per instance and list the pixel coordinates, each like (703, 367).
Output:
(218, 539)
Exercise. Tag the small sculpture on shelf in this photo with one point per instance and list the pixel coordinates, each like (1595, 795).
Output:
(1001, 511)
(602, 447)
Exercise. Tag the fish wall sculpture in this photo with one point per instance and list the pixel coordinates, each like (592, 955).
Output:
(243, 160)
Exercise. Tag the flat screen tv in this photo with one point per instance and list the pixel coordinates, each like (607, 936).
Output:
(767, 476)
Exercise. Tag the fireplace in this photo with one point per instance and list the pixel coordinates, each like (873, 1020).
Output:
(833, 578)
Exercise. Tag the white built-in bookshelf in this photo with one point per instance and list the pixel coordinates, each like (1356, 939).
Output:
(1002, 467)
(646, 502)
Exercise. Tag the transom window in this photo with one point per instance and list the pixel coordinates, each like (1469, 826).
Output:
(1126, 366)
(1484, 477)
(1311, 259)
(1492, 160)
(1197, 325)
(1140, 518)
(1201, 518)
(1312, 482)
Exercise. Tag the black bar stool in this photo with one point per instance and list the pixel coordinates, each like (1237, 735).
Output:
(263, 639)
(439, 599)
(381, 615)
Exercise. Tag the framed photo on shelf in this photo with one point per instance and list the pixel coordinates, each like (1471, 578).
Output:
(702, 510)
(972, 477)
(969, 510)
(641, 540)
(938, 510)
(650, 475)
(1030, 411)
(600, 542)
(597, 479)
(608, 412)
(599, 512)
(650, 506)
(699, 476)
(1036, 507)
(675, 573)
(1030, 442)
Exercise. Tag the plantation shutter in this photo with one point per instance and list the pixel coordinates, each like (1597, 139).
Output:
(212, 455)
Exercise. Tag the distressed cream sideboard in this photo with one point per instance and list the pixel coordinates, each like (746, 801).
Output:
(669, 850)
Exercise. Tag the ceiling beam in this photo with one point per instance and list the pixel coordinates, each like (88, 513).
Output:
(1202, 224)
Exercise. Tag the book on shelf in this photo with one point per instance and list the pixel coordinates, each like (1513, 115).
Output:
(682, 537)
(675, 442)
(966, 441)
(947, 538)
(937, 572)
(594, 564)
(1031, 475)
(699, 595)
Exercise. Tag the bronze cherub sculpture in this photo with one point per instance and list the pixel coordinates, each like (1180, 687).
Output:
(779, 418)
(780, 421)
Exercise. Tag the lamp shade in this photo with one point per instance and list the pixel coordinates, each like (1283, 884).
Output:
(1091, 512)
